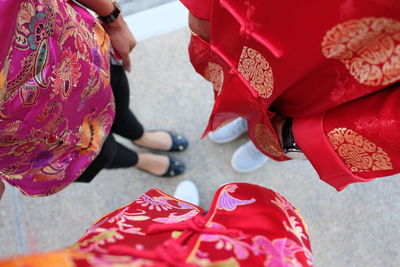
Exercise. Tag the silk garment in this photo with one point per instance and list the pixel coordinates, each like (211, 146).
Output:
(56, 104)
(247, 225)
(306, 61)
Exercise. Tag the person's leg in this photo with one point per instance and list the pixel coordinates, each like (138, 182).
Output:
(128, 126)
(124, 158)
(354, 142)
(125, 122)
(113, 155)
(159, 165)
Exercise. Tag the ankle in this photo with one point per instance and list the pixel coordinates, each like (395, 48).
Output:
(141, 140)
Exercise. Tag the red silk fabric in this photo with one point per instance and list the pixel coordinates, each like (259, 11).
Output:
(247, 225)
(306, 61)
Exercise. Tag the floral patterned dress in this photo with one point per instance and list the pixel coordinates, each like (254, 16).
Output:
(56, 104)
(247, 225)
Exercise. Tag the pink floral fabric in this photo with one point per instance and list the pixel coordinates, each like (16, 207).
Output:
(246, 225)
(56, 105)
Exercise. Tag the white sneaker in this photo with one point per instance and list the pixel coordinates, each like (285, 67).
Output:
(187, 191)
(248, 158)
(229, 132)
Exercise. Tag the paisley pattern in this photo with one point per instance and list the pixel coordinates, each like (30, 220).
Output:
(358, 153)
(256, 70)
(181, 235)
(368, 47)
(56, 106)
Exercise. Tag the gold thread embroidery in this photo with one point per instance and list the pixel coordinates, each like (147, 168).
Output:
(368, 47)
(357, 152)
(256, 70)
(267, 141)
(215, 75)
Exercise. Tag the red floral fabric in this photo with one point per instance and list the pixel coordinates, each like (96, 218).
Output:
(247, 225)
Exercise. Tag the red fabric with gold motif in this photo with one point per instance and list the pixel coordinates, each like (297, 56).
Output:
(247, 225)
(306, 61)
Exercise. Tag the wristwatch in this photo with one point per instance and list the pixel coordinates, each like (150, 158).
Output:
(288, 143)
(113, 15)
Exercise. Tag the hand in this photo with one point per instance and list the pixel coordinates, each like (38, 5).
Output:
(277, 122)
(2, 188)
(200, 27)
(122, 40)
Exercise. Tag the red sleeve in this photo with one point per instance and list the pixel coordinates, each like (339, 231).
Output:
(199, 8)
(354, 142)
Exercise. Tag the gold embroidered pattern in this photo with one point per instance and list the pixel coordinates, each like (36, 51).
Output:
(256, 70)
(267, 141)
(368, 47)
(215, 75)
(358, 153)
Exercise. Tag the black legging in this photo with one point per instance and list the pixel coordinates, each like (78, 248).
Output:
(113, 154)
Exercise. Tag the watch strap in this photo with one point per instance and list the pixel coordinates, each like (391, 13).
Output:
(113, 15)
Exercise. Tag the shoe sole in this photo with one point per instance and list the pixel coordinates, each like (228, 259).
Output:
(236, 168)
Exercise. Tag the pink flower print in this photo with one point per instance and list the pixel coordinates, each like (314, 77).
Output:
(173, 218)
(279, 252)
(228, 202)
(157, 203)
(240, 248)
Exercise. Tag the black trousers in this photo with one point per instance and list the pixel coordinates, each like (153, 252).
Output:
(113, 154)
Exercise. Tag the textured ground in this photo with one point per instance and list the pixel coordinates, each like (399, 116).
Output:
(357, 227)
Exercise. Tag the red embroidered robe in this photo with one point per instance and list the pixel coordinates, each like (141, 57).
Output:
(332, 66)
(247, 225)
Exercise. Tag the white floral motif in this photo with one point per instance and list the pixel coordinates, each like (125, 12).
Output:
(123, 217)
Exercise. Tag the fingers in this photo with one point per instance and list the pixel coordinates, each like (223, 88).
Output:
(132, 43)
(200, 27)
(125, 58)
(126, 61)
(2, 188)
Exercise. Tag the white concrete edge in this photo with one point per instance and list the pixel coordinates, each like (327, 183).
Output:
(158, 20)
